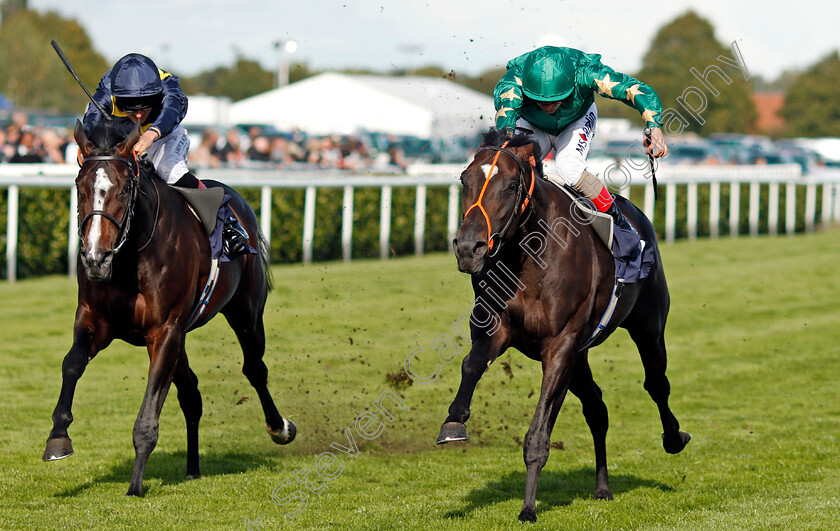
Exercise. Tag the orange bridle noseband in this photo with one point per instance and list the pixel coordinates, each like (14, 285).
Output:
(478, 203)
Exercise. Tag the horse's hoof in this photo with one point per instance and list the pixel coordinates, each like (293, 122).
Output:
(135, 492)
(193, 476)
(603, 494)
(452, 432)
(528, 515)
(675, 446)
(284, 436)
(58, 448)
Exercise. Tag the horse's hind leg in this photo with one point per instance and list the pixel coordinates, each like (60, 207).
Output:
(247, 323)
(190, 399)
(595, 412)
(655, 360)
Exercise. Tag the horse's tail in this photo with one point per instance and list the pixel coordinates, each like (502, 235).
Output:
(263, 250)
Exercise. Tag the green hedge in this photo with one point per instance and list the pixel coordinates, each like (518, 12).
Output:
(287, 222)
(44, 225)
(703, 191)
(44, 222)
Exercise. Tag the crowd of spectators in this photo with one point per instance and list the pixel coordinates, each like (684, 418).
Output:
(21, 142)
(258, 147)
(24, 143)
(261, 148)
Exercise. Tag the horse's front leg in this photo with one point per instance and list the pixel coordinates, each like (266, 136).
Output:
(485, 349)
(164, 347)
(83, 350)
(557, 365)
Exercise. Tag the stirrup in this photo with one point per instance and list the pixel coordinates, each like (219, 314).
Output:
(234, 237)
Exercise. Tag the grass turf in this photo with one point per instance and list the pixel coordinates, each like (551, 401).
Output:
(753, 364)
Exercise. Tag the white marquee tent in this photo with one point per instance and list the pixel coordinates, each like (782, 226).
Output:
(424, 107)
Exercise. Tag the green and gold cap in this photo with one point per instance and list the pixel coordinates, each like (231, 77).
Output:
(546, 79)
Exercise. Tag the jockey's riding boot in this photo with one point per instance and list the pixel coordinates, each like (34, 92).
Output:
(188, 180)
(619, 218)
(234, 237)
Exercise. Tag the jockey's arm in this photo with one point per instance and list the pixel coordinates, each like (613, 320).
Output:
(633, 93)
(173, 106)
(102, 96)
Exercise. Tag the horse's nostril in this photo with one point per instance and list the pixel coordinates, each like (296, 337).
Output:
(478, 245)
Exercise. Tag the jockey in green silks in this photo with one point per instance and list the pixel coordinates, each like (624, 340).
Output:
(551, 91)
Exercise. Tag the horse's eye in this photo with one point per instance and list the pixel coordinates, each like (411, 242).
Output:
(125, 190)
(512, 187)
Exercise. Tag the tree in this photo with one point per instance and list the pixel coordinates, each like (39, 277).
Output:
(811, 105)
(244, 79)
(485, 82)
(9, 7)
(780, 84)
(299, 71)
(31, 74)
(689, 43)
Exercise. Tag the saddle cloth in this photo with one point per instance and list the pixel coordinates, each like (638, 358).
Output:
(205, 204)
(634, 257)
(210, 206)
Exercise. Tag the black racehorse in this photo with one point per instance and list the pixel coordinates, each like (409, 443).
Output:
(145, 261)
(543, 282)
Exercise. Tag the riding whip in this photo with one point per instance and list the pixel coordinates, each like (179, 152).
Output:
(76, 77)
(652, 168)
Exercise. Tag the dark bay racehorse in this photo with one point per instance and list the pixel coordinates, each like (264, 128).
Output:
(145, 260)
(542, 281)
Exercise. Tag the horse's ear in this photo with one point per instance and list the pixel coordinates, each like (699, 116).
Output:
(526, 151)
(124, 147)
(85, 145)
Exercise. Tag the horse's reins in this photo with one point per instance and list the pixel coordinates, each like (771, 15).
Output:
(134, 185)
(491, 236)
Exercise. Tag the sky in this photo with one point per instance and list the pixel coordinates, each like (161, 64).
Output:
(187, 37)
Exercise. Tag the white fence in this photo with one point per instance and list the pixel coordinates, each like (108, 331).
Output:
(15, 176)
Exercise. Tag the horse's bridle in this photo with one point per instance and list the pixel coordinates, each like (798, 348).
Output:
(125, 224)
(523, 170)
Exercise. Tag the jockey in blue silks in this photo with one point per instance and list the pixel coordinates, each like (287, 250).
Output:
(136, 91)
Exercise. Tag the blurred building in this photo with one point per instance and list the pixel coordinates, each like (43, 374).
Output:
(332, 103)
(768, 104)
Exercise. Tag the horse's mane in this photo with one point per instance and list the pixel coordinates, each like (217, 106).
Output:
(105, 135)
(147, 169)
(496, 138)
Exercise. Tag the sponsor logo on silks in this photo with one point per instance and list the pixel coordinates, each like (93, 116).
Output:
(586, 133)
